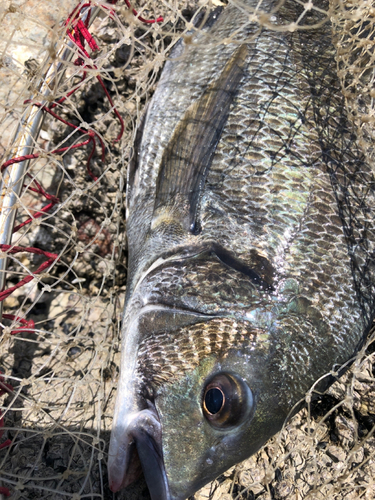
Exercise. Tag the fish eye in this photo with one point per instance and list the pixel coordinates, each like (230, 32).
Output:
(214, 400)
(226, 399)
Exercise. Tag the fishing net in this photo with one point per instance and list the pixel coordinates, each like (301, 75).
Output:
(75, 78)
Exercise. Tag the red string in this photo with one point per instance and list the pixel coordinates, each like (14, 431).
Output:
(38, 189)
(36, 155)
(29, 325)
(77, 31)
(52, 257)
(62, 99)
(114, 109)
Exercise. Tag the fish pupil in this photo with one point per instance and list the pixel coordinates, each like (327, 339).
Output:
(214, 400)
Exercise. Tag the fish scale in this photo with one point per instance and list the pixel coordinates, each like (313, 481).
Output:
(179, 85)
(165, 353)
(250, 221)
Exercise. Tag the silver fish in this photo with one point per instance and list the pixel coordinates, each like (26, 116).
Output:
(250, 220)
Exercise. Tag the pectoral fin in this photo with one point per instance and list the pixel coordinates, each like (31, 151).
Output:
(188, 156)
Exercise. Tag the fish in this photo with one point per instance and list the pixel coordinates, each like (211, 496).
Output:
(251, 247)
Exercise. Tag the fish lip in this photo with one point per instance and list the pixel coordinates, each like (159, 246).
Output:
(141, 443)
(123, 467)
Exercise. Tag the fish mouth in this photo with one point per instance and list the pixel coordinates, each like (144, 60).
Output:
(139, 447)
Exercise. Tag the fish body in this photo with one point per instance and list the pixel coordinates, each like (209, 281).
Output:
(250, 223)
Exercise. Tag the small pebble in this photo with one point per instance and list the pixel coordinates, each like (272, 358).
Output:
(74, 352)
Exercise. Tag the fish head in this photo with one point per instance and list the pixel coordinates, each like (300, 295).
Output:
(205, 401)
(216, 414)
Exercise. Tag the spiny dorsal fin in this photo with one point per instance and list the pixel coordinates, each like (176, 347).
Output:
(188, 156)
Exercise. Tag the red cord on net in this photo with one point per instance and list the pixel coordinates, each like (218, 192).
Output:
(52, 257)
(4, 491)
(27, 325)
(50, 197)
(77, 31)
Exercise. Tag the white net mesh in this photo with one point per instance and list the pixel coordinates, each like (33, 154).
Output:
(66, 264)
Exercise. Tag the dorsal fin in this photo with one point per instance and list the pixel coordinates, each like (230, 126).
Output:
(188, 156)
